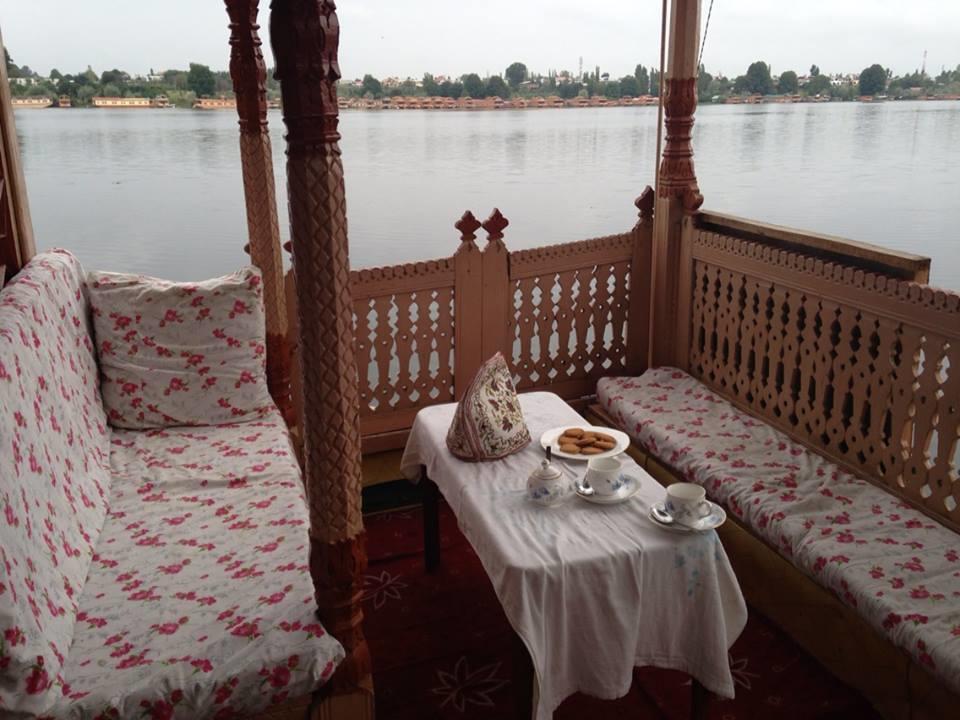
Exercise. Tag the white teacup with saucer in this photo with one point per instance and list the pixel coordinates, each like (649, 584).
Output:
(603, 476)
(687, 503)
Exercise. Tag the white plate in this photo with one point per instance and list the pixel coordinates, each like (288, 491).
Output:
(626, 491)
(715, 519)
(550, 437)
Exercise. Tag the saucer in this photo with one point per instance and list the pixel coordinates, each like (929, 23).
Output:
(715, 519)
(626, 491)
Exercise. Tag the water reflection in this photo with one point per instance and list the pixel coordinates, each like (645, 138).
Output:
(161, 192)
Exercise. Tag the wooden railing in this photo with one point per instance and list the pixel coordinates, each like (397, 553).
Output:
(563, 316)
(861, 366)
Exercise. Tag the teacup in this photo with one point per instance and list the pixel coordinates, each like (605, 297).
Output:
(603, 475)
(687, 503)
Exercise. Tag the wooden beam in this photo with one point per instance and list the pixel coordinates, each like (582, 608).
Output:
(16, 229)
(678, 193)
(305, 36)
(249, 75)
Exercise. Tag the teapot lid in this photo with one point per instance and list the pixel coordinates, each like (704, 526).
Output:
(547, 470)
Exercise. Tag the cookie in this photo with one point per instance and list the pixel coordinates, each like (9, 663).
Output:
(605, 445)
(586, 441)
(591, 450)
(567, 440)
(570, 448)
(604, 437)
(573, 432)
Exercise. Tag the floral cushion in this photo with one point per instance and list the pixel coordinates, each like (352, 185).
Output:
(54, 473)
(488, 423)
(896, 566)
(199, 603)
(180, 353)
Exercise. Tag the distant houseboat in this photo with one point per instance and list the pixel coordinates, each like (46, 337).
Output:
(64, 101)
(160, 101)
(32, 102)
(221, 103)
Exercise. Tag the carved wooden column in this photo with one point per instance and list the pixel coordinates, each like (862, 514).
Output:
(305, 35)
(249, 75)
(641, 276)
(677, 193)
(497, 300)
(467, 304)
(16, 230)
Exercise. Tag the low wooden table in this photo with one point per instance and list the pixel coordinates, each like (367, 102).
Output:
(591, 590)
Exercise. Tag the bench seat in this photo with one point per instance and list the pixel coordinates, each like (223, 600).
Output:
(199, 598)
(898, 568)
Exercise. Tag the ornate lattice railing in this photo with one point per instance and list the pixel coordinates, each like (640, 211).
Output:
(862, 366)
(562, 315)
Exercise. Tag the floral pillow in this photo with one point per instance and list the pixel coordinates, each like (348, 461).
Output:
(488, 423)
(180, 353)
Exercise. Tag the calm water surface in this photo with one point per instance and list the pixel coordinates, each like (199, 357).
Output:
(160, 192)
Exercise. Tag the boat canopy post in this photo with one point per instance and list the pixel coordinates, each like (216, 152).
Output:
(305, 35)
(16, 230)
(249, 75)
(678, 195)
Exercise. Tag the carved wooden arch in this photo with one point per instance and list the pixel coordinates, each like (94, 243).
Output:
(305, 36)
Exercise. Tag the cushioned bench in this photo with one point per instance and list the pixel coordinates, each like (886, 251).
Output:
(157, 572)
(896, 566)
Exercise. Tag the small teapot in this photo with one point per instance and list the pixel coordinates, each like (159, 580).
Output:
(547, 485)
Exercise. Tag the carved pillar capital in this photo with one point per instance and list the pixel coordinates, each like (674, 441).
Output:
(247, 69)
(677, 175)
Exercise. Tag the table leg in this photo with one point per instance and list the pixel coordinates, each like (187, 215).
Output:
(431, 522)
(699, 700)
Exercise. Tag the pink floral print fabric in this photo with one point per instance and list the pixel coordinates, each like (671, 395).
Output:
(54, 474)
(897, 567)
(199, 602)
(488, 423)
(180, 353)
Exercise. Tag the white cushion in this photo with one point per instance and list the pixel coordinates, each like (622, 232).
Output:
(180, 353)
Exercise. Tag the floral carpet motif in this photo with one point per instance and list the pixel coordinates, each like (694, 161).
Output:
(442, 649)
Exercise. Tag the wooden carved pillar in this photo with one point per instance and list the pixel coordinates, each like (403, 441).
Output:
(16, 230)
(305, 35)
(249, 75)
(467, 304)
(678, 194)
(641, 275)
(497, 299)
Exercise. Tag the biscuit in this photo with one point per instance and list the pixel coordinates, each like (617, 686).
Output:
(586, 440)
(605, 445)
(574, 432)
(604, 438)
(567, 440)
(591, 450)
(570, 448)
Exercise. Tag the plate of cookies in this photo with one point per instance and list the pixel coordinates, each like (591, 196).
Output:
(584, 442)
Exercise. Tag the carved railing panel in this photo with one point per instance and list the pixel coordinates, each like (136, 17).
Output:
(862, 367)
(569, 320)
(403, 325)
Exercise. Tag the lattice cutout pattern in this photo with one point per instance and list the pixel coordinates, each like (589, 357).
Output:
(834, 358)
(404, 349)
(570, 326)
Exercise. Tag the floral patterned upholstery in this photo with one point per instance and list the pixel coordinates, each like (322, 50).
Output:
(180, 353)
(488, 423)
(199, 602)
(896, 566)
(157, 573)
(54, 473)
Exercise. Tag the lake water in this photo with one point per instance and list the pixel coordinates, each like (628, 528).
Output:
(160, 192)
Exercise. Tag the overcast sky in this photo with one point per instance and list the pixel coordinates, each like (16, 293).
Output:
(452, 37)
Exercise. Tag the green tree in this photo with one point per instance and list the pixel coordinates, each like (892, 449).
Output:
(814, 71)
(740, 84)
(200, 80)
(496, 87)
(55, 74)
(516, 74)
(654, 83)
(110, 90)
(371, 86)
(643, 80)
(430, 86)
(818, 85)
(472, 85)
(12, 69)
(703, 83)
(873, 80)
(118, 77)
(569, 90)
(612, 89)
(788, 83)
(758, 78)
(629, 87)
(451, 89)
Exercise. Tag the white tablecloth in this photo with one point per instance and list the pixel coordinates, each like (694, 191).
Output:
(592, 590)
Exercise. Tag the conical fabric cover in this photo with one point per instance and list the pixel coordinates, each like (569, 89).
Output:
(488, 423)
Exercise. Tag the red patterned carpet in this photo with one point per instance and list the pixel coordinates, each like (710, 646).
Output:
(442, 648)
